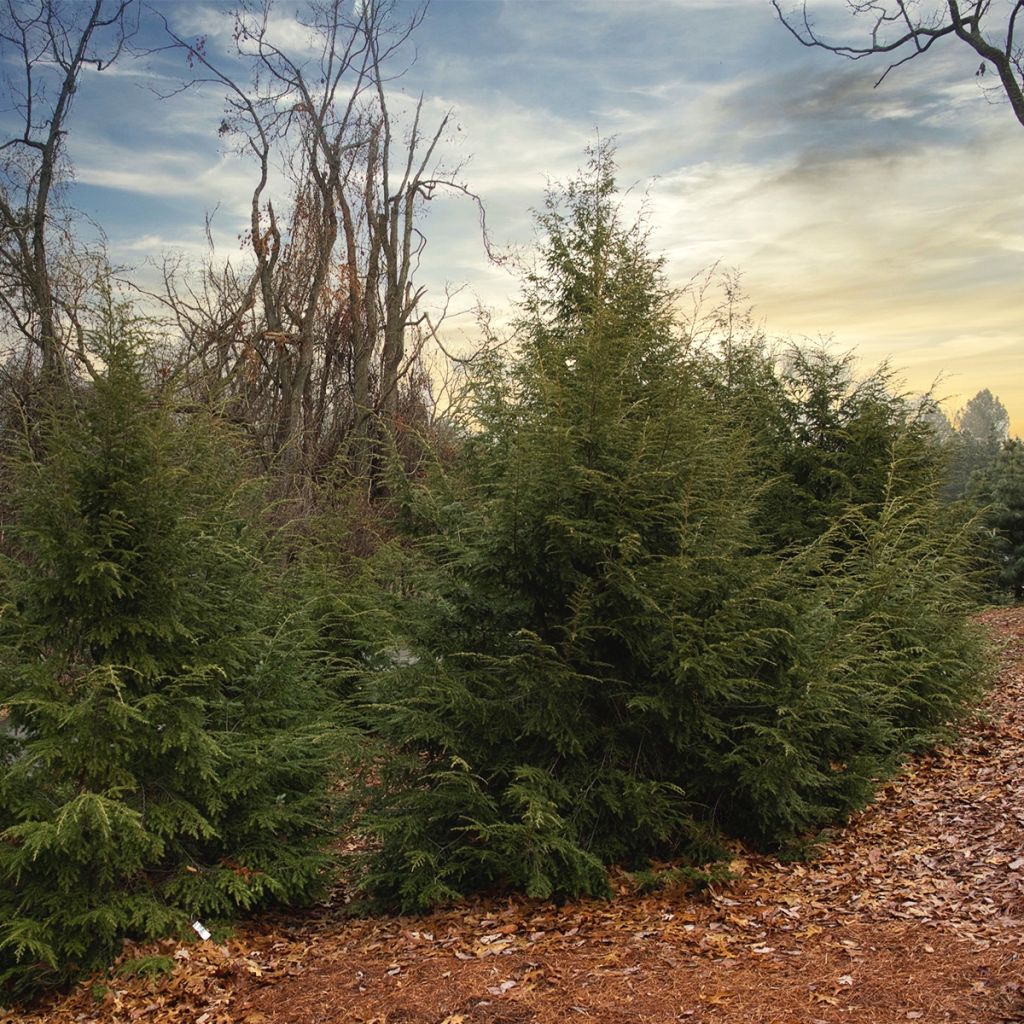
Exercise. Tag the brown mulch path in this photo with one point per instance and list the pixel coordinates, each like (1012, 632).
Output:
(914, 911)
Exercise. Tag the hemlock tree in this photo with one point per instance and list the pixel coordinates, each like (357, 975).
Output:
(601, 515)
(613, 660)
(999, 489)
(880, 653)
(822, 438)
(836, 447)
(169, 747)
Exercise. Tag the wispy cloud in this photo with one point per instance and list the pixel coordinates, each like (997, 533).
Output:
(890, 218)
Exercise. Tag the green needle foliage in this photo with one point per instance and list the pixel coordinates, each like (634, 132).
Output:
(998, 490)
(823, 440)
(624, 649)
(526, 749)
(168, 746)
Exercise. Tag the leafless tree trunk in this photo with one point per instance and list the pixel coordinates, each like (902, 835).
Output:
(332, 299)
(49, 44)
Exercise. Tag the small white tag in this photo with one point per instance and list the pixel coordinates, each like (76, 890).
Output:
(200, 930)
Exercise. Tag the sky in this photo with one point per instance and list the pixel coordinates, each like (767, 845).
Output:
(889, 220)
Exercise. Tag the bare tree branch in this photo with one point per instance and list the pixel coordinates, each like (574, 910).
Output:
(905, 31)
(317, 338)
(50, 43)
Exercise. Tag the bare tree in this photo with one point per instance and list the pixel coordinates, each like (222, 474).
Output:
(321, 343)
(903, 30)
(45, 45)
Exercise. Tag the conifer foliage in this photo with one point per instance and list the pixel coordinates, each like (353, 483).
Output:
(166, 753)
(623, 657)
(663, 599)
(569, 560)
(999, 491)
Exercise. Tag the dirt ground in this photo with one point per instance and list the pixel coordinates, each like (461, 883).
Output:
(914, 911)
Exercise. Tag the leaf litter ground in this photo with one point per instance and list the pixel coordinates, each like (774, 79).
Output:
(914, 911)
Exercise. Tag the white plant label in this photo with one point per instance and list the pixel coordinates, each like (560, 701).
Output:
(200, 930)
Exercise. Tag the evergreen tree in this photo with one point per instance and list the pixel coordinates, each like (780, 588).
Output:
(847, 469)
(578, 482)
(982, 426)
(836, 449)
(999, 490)
(602, 609)
(168, 750)
(621, 652)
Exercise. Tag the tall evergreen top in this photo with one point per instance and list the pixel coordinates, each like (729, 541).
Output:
(598, 300)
